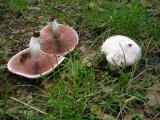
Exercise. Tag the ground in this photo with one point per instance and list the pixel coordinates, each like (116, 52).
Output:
(82, 87)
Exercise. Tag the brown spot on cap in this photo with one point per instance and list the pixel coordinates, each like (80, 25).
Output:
(130, 45)
(24, 56)
(36, 34)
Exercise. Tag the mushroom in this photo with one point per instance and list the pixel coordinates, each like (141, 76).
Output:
(121, 51)
(57, 38)
(31, 63)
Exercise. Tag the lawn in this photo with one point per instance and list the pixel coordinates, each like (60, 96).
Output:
(83, 86)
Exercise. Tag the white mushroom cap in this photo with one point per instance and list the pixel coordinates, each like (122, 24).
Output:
(121, 51)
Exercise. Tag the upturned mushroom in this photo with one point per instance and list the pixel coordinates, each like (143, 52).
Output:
(121, 51)
(31, 63)
(57, 38)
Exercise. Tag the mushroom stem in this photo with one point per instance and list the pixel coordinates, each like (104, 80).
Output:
(35, 47)
(54, 27)
(54, 32)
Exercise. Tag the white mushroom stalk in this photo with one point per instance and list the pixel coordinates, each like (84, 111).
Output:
(121, 51)
(35, 47)
(54, 25)
(54, 30)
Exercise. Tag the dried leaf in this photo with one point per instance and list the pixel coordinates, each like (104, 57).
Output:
(96, 110)
(16, 31)
(108, 117)
(46, 84)
(91, 5)
(144, 2)
(89, 58)
(40, 17)
(34, 8)
(153, 96)
(129, 116)
(2, 86)
(101, 10)
(83, 49)
(154, 99)
(142, 35)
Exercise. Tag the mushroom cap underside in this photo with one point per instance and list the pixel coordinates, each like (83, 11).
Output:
(65, 41)
(22, 64)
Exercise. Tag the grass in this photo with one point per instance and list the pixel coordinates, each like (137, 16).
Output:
(83, 81)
